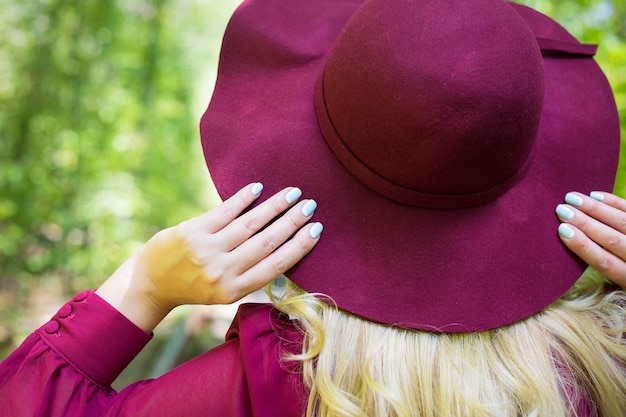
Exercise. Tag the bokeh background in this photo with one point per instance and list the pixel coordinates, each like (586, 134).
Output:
(99, 145)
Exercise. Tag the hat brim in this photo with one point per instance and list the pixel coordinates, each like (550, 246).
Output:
(456, 270)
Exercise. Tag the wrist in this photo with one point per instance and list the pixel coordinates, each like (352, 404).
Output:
(124, 291)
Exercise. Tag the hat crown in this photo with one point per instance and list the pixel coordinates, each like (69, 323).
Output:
(433, 104)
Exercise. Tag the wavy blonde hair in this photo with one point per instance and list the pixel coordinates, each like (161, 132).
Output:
(552, 364)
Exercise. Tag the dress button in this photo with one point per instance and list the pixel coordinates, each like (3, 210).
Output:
(52, 327)
(81, 296)
(65, 311)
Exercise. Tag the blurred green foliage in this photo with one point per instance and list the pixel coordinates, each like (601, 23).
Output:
(99, 149)
(99, 145)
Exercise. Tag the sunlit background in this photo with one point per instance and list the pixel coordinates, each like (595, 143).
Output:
(99, 144)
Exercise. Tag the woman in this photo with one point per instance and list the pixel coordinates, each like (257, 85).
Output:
(435, 140)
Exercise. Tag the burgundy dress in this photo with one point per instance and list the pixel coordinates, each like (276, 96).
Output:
(66, 367)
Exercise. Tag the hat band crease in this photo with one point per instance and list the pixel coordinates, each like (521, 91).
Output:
(547, 45)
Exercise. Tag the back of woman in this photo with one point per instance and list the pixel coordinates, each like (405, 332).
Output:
(437, 139)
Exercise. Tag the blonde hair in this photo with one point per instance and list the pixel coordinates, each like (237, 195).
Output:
(571, 354)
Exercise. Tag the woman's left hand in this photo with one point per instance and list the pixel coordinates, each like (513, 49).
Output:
(215, 258)
(594, 228)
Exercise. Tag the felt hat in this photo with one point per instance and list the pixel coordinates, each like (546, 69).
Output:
(436, 137)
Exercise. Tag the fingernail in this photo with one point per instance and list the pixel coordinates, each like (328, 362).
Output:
(316, 230)
(308, 208)
(257, 188)
(293, 195)
(573, 199)
(596, 195)
(564, 212)
(566, 231)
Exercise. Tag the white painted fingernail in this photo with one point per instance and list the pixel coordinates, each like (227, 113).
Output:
(316, 230)
(257, 188)
(308, 208)
(573, 199)
(566, 231)
(564, 212)
(596, 195)
(293, 195)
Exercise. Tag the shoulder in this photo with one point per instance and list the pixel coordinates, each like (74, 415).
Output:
(256, 317)
(261, 328)
(265, 336)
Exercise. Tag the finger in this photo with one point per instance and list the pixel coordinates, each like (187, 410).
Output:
(610, 215)
(261, 245)
(609, 199)
(608, 264)
(246, 225)
(282, 259)
(217, 218)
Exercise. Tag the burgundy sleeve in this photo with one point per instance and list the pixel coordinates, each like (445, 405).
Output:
(66, 368)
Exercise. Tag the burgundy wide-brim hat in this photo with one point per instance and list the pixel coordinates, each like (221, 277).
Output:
(437, 138)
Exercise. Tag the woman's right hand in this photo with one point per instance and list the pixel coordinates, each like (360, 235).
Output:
(216, 258)
(594, 228)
